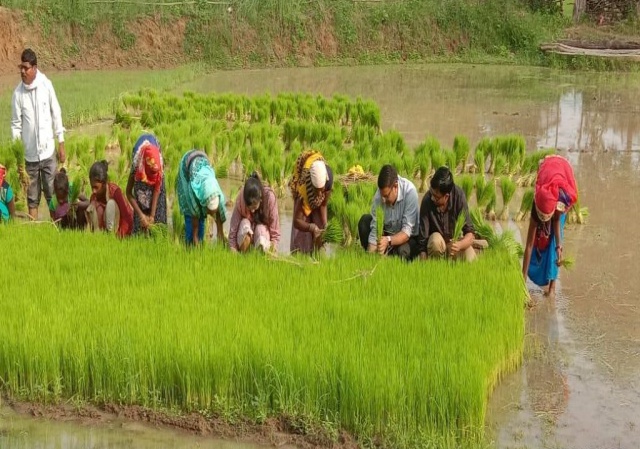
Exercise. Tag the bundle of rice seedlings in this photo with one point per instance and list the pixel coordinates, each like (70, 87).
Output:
(100, 147)
(467, 183)
(491, 199)
(379, 223)
(505, 240)
(438, 160)
(177, 222)
(457, 229)
(451, 160)
(337, 202)
(481, 186)
(568, 262)
(159, 231)
(423, 162)
(462, 148)
(527, 180)
(222, 169)
(479, 161)
(525, 205)
(500, 165)
(508, 188)
(333, 232)
(353, 212)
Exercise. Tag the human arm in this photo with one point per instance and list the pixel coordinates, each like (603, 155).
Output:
(526, 259)
(56, 117)
(234, 224)
(423, 230)
(144, 222)
(220, 219)
(274, 219)
(300, 222)
(323, 209)
(558, 237)
(16, 117)
(154, 202)
(195, 224)
(372, 240)
(12, 208)
(467, 229)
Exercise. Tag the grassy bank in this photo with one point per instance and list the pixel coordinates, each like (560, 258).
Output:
(86, 97)
(389, 351)
(244, 33)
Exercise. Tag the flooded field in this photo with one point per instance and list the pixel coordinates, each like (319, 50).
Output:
(578, 385)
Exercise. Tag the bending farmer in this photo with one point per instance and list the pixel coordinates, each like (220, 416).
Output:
(108, 209)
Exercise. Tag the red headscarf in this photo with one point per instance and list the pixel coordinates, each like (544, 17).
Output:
(554, 173)
(3, 172)
(149, 166)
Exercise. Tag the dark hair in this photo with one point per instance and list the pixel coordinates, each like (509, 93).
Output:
(29, 56)
(442, 180)
(253, 192)
(61, 181)
(99, 171)
(387, 177)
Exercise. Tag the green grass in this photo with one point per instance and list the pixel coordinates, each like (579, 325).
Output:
(86, 97)
(408, 362)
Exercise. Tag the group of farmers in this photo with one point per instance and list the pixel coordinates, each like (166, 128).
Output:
(410, 230)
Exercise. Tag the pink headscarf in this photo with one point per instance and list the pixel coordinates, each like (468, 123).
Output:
(554, 173)
(3, 172)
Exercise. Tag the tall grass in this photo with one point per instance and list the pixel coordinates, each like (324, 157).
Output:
(409, 362)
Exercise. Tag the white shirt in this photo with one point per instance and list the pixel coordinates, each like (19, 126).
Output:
(36, 117)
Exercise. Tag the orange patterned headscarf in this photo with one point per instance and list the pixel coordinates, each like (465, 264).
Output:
(149, 166)
(3, 172)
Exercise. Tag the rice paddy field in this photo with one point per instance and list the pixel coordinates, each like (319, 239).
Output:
(388, 351)
(397, 355)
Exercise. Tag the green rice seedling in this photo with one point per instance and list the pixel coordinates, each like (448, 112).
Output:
(177, 222)
(479, 161)
(159, 231)
(379, 223)
(329, 367)
(483, 147)
(489, 196)
(525, 205)
(100, 147)
(451, 160)
(337, 203)
(353, 211)
(333, 232)
(467, 183)
(222, 168)
(500, 165)
(508, 188)
(438, 160)
(504, 241)
(568, 262)
(457, 229)
(462, 149)
(481, 187)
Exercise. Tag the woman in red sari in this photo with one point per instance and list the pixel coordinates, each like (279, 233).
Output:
(555, 193)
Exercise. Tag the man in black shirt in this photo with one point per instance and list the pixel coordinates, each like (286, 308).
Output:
(440, 208)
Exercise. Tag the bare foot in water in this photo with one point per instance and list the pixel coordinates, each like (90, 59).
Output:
(551, 292)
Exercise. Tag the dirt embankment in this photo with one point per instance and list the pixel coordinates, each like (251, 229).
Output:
(274, 432)
(156, 44)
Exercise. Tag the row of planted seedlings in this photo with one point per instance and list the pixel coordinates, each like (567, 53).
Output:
(409, 363)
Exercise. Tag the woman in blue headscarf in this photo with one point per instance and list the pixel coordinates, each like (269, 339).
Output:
(199, 195)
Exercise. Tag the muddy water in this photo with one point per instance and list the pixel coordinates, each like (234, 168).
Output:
(578, 384)
(18, 432)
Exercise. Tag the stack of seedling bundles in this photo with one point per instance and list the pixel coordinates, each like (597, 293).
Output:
(387, 351)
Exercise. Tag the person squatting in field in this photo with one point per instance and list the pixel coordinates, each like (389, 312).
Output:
(398, 198)
(199, 195)
(440, 208)
(311, 186)
(555, 193)
(145, 187)
(108, 209)
(64, 212)
(7, 202)
(255, 220)
(35, 119)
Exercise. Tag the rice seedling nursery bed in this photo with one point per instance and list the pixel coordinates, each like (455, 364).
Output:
(399, 355)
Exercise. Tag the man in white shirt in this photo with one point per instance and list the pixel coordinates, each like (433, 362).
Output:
(35, 119)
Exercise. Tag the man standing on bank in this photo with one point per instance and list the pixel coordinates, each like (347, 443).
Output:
(440, 208)
(35, 119)
(398, 198)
